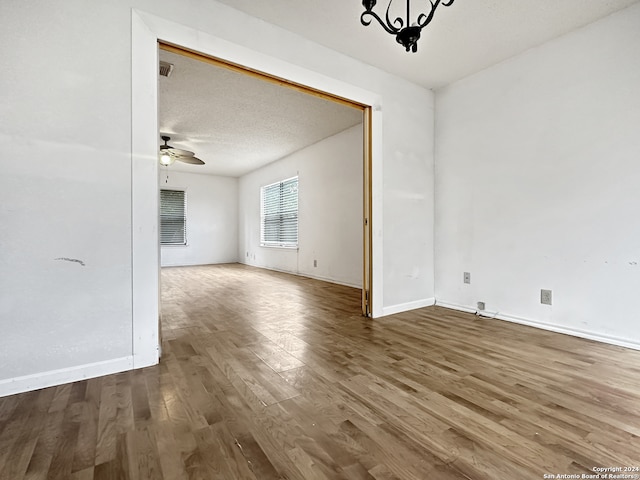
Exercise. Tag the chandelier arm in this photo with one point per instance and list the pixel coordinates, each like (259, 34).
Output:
(423, 19)
(366, 22)
(397, 24)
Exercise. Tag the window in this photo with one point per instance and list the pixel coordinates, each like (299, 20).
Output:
(279, 214)
(173, 218)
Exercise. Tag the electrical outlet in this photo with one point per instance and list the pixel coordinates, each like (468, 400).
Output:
(480, 305)
(545, 297)
(315, 263)
(247, 254)
(466, 277)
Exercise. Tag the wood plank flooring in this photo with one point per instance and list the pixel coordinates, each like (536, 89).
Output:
(266, 375)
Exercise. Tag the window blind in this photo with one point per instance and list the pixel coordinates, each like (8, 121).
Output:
(279, 214)
(173, 219)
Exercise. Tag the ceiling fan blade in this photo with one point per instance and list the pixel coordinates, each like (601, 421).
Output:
(189, 159)
(176, 152)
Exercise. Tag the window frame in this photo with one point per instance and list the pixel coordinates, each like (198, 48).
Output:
(263, 217)
(184, 216)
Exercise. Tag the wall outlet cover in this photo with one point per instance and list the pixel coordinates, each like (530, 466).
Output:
(466, 278)
(545, 297)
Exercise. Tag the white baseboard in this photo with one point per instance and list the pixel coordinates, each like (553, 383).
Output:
(196, 264)
(329, 280)
(306, 275)
(405, 307)
(37, 381)
(598, 337)
(455, 306)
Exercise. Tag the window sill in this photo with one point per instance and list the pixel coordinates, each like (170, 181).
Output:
(281, 247)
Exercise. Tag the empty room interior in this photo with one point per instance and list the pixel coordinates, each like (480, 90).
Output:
(320, 240)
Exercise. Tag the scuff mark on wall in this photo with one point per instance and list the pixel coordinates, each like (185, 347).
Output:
(75, 260)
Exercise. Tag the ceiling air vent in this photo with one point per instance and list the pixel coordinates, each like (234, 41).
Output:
(166, 68)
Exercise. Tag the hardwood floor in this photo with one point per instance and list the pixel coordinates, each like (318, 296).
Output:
(267, 375)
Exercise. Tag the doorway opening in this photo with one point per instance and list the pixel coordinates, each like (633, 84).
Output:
(147, 31)
(364, 112)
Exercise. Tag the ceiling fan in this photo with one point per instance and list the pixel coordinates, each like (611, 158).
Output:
(169, 154)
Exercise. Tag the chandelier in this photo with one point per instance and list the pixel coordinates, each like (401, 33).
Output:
(407, 33)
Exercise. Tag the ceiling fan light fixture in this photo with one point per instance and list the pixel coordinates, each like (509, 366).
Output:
(407, 32)
(166, 159)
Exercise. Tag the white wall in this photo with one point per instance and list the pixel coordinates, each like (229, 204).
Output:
(212, 219)
(68, 106)
(537, 178)
(329, 211)
(66, 191)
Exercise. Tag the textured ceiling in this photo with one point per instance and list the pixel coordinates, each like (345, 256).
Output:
(236, 123)
(464, 38)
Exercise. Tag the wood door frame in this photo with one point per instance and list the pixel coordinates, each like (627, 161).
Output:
(366, 150)
(147, 31)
